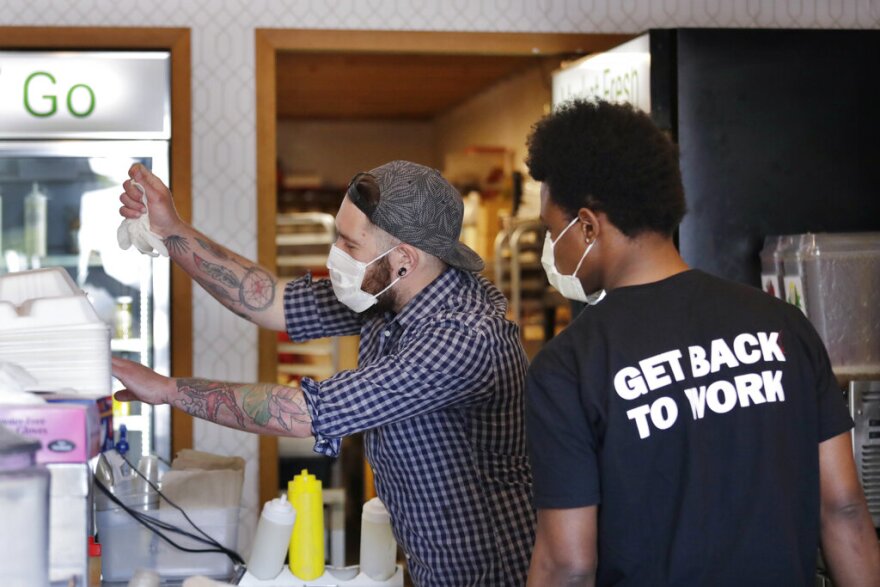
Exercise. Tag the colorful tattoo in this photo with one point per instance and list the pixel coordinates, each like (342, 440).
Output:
(271, 407)
(257, 291)
(176, 244)
(267, 403)
(217, 272)
(203, 398)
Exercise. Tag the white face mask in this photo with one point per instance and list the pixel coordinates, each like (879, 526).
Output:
(347, 276)
(568, 285)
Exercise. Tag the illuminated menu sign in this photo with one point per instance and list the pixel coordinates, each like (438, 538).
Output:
(87, 95)
(622, 74)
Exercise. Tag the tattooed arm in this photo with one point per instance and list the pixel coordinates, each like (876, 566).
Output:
(244, 287)
(263, 408)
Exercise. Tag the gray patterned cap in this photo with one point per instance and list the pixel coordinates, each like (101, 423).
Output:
(418, 206)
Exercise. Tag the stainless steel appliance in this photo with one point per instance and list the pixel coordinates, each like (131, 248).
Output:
(864, 406)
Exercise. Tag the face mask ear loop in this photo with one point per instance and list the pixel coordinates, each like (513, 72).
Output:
(564, 230)
(390, 285)
(584, 256)
(380, 256)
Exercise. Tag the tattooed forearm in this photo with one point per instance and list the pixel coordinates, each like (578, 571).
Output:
(257, 291)
(212, 248)
(205, 399)
(218, 291)
(216, 272)
(275, 406)
(260, 407)
(175, 244)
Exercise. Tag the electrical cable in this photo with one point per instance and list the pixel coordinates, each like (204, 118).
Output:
(155, 524)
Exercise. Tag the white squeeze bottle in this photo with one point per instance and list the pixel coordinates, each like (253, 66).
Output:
(378, 548)
(35, 234)
(272, 539)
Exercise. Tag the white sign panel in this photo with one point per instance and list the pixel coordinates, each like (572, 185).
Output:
(622, 74)
(96, 95)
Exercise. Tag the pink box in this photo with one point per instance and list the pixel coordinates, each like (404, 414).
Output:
(70, 433)
(104, 407)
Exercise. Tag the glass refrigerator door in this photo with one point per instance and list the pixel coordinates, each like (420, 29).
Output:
(59, 206)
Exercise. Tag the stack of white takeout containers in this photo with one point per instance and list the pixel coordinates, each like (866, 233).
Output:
(49, 328)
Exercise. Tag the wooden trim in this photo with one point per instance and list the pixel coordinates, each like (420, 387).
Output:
(181, 187)
(271, 41)
(266, 253)
(177, 41)
(433, 42)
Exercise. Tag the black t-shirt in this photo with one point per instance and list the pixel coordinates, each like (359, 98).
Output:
(690, 410)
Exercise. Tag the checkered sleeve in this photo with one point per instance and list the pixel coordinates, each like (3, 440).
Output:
(312, 311)
(442, 365)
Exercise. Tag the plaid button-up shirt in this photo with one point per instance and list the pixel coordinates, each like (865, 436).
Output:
(439, 394)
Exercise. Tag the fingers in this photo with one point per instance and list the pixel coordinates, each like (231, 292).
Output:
(124, 395)
(118, 362)
(132, 206)
(122, 368)
(146, 178)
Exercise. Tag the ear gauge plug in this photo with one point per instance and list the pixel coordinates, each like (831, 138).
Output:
(401, 272)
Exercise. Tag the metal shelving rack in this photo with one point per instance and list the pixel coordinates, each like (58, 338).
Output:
(520, 276)
(303, 240)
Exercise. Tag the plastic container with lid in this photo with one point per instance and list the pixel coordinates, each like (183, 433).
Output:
(789, 254)
(840, 273)
(272, 539)
(24, 501)
(378, 555)
(775, 246)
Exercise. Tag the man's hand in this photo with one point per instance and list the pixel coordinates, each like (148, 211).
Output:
(142, 384)
(164, 219)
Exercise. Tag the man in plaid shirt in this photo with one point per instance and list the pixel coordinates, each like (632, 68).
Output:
(438, 389)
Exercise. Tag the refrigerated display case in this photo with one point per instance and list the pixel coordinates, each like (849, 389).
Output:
(74, 122)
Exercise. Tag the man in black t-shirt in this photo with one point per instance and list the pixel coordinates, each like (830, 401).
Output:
(683, 430)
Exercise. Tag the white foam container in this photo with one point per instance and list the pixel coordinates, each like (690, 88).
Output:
(51, 282)
(49, 328)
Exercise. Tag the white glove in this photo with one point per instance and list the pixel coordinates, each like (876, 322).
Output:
(136, 231)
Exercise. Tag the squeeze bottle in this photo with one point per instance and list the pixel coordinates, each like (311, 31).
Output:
(35, 209)
(307, 540)
(272, 539)
(378, 547)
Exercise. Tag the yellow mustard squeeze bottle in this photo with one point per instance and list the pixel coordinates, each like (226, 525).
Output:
(307, 540)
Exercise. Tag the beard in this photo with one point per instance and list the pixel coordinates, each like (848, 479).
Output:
(377, 279)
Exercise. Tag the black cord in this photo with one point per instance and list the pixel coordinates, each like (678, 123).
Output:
(154, 524)
(174, 505)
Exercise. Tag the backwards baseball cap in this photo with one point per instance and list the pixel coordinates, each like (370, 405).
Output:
(417, 205)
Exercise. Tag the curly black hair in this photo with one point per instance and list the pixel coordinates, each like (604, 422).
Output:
(609, 158)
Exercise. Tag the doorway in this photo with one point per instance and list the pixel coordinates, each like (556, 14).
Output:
(367, 75)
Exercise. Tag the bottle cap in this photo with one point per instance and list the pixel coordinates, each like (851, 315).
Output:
(94, 547)
(305, 482)
(375, 511)
(280, 511)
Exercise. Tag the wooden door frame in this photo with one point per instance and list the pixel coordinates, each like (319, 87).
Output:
(271, 41)
(177, 42)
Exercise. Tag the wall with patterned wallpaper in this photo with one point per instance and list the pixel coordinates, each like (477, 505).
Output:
(224, 192)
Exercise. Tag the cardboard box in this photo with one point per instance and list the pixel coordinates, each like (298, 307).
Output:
(70, 433)
(104, 406)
